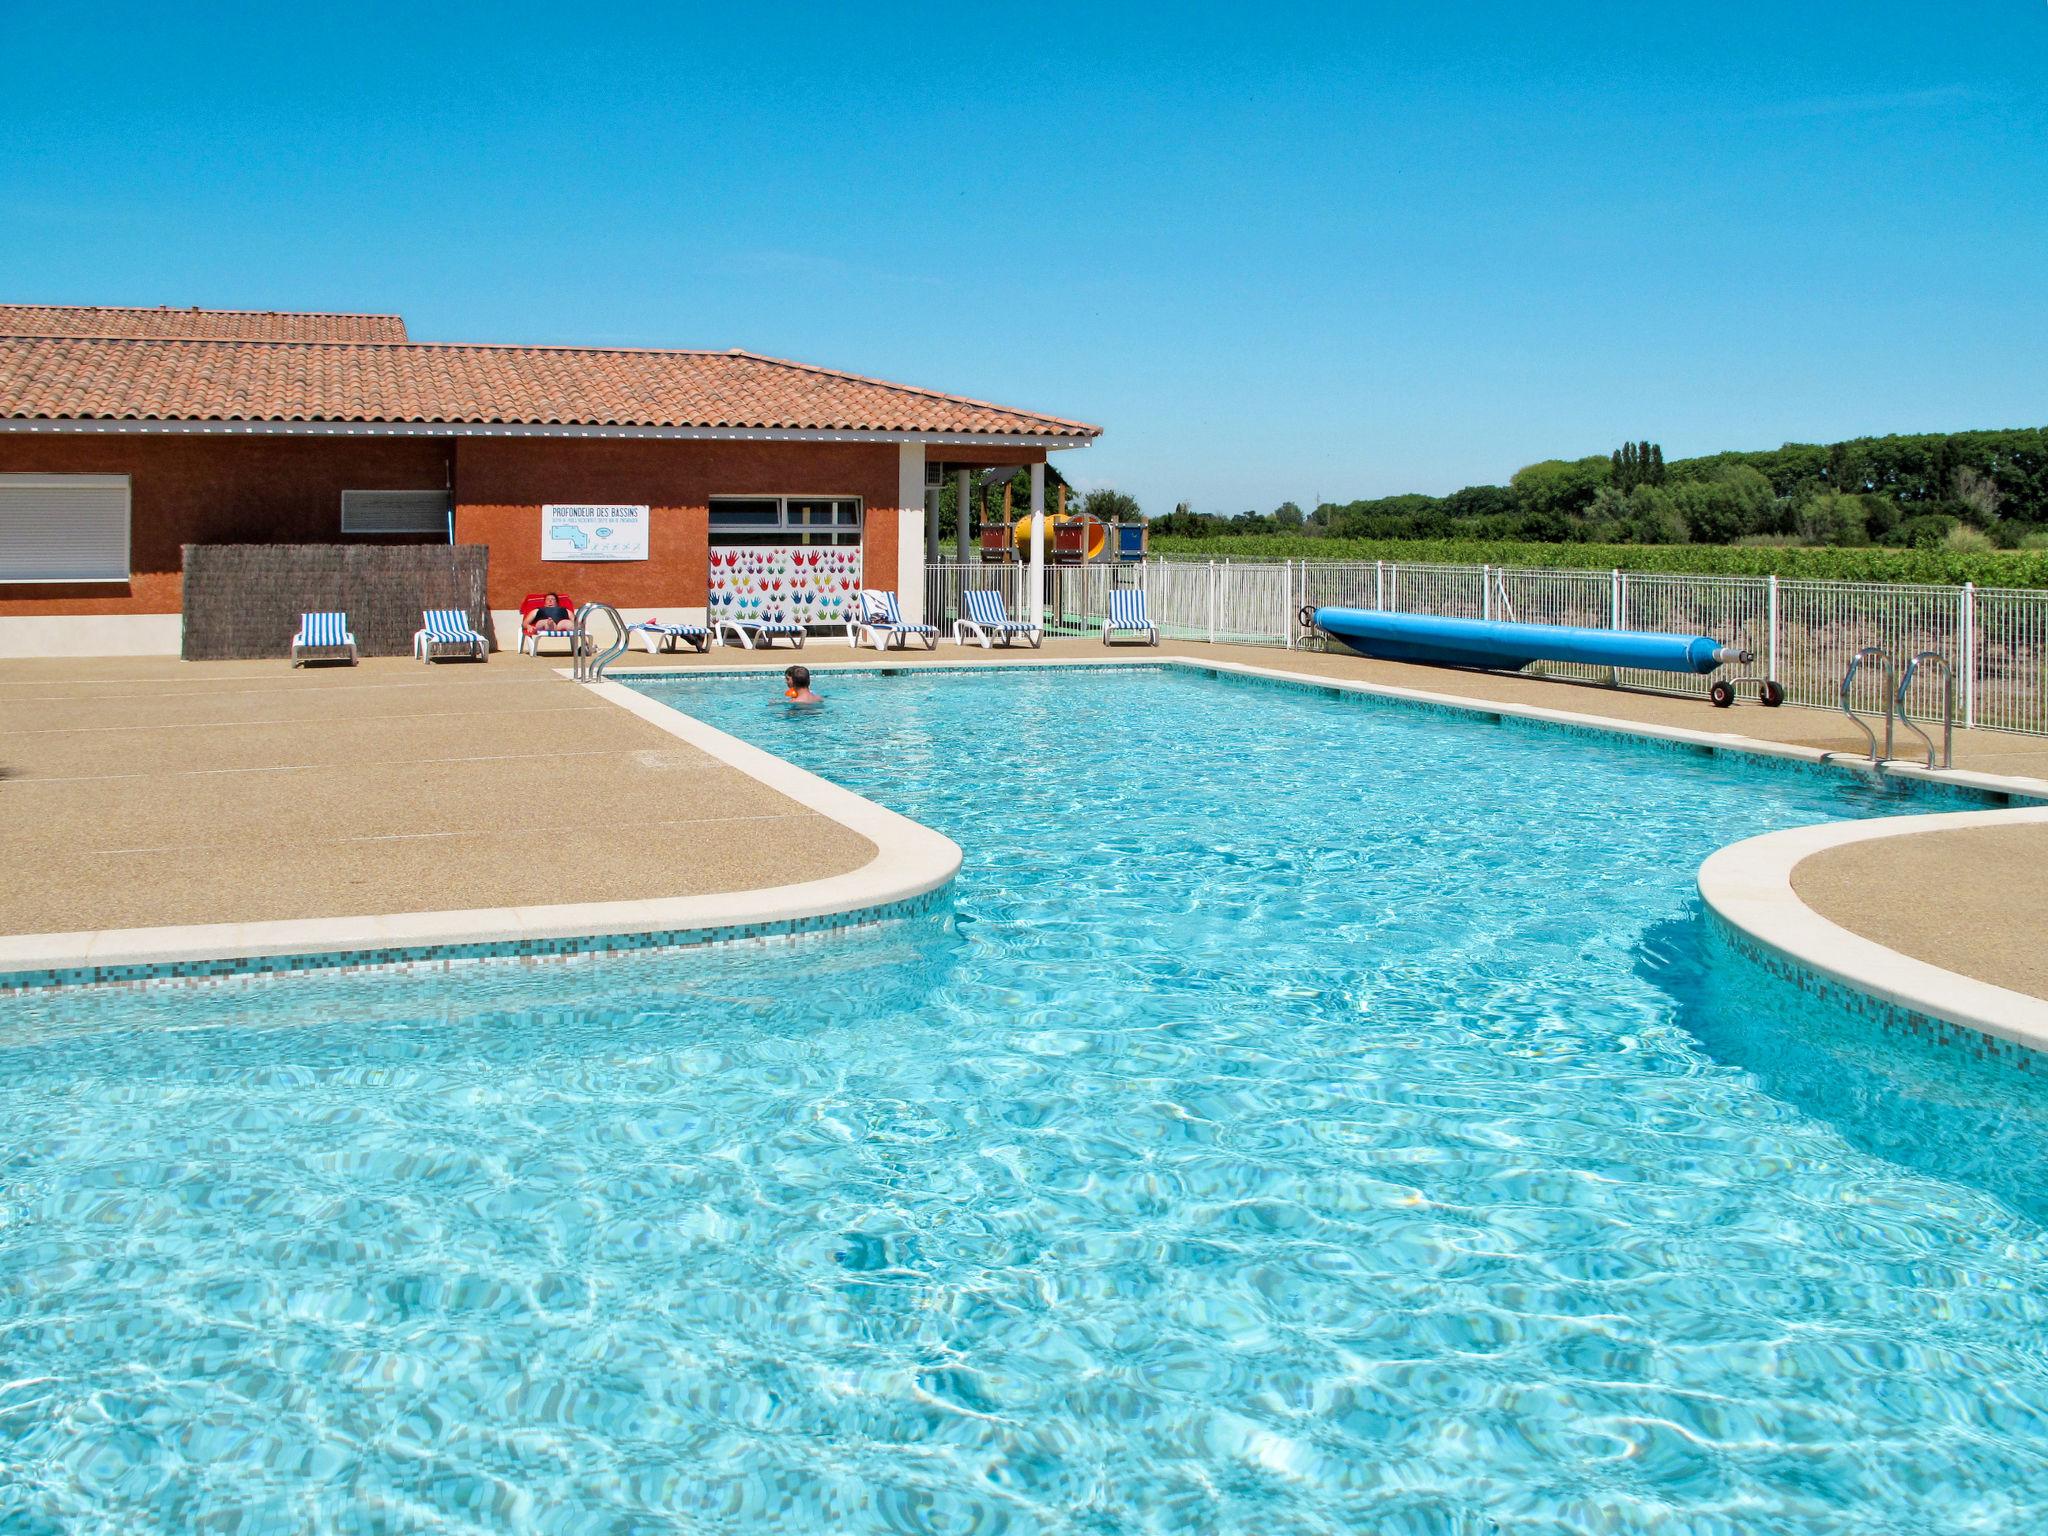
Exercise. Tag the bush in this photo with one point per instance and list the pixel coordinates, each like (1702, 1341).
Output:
(1724, 503)
(1940, 567)
(1559, 486)
(1833, 519)
(1965, 540)
(1927, 531)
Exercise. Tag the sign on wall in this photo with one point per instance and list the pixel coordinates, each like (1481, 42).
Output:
(579, 532)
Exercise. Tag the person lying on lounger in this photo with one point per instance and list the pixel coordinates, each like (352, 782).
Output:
(798, 681)
(550, 618)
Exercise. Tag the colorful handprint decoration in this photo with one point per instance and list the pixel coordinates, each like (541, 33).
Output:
(782, 584)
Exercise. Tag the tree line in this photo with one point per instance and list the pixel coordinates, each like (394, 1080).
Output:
(1959, 490)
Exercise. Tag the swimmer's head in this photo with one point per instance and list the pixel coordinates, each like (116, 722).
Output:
(798, 678)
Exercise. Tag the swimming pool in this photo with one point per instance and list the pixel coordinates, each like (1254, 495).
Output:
(1310, 1114)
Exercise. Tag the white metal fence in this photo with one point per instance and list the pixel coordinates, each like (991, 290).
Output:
(1247, 604)
(1802, 632)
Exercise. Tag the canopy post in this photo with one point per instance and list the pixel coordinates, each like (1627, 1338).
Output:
(1037, 620)
(963, 516)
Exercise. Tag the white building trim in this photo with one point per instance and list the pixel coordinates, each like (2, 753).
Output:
(71, 635)
(127, 428)
(910, 531)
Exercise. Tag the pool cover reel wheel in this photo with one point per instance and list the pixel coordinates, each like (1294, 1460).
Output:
(1309, 637)
(1769, 692)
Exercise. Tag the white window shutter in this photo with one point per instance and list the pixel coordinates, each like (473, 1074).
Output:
(63, 528)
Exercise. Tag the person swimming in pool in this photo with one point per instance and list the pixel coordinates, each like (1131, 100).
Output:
(797, 685)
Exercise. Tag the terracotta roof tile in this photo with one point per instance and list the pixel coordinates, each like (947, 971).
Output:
(182, 380)
(194, 324)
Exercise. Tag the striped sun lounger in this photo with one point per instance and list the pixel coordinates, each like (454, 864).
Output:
(750, 633)
(666, 637)
(881, 623)
(1127, 615)
(990, 620)
(448, 629)
(323, 632)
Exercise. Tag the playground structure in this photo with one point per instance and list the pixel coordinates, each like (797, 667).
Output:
(1071, 538)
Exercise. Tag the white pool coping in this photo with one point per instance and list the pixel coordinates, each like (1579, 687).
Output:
(911, 860)
(1133, 656)
(1749, 886)
(1718, 741)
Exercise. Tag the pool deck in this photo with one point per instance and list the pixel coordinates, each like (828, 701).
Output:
(1970, 900)
(145, 793)
(137, 793)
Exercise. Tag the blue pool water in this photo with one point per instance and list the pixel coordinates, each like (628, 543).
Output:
(1307, 1116)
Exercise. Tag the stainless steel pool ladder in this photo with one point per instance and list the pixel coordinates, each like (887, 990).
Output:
(1891, 696)
(586, 667)
(1948, 706)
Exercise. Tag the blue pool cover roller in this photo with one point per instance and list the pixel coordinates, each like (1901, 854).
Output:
(1501, 646)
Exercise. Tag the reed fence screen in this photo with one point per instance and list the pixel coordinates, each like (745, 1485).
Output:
(243, 601)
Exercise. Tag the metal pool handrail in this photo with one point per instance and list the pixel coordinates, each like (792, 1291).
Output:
(589, 669)
(1948, 706)
(1891, 691)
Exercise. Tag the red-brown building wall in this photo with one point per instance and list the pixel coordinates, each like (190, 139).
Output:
(213, 490)
(502, 483)
(257, 489)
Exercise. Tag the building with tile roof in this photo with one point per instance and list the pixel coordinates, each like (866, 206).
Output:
(166, 324)
(127, 434)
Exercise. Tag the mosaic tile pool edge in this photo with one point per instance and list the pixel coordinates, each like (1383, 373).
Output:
(430, 956)
(1891, 1017)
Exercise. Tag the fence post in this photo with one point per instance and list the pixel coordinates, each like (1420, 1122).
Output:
(1771, 623)
(1615, 589)
(1379, 585)
(1212, 602)
(1485, 591)
(1969, 667)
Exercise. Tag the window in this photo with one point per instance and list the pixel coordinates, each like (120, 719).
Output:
(395, 512)
(801, 520)
(63, 527)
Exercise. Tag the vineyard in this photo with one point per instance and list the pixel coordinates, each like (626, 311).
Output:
(1930, 567)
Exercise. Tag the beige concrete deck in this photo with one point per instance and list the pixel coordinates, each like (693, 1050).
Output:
(137, 793)
(141, 793)
(1973, 901)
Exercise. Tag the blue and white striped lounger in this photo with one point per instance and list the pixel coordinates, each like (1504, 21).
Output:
(881, 623)
(749, 633)
(323, 632)
(990, 620)
(666, 637)
(448, 628)
(1127, 615)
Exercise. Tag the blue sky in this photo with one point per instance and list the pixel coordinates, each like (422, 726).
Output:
(1277, 252)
